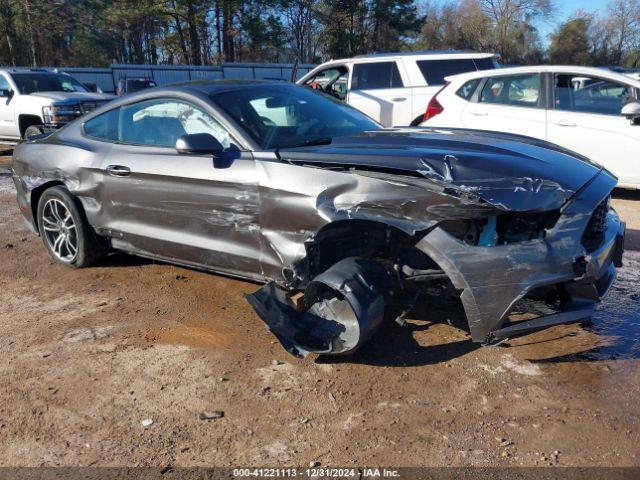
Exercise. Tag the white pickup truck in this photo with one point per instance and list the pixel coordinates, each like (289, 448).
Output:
(35, 100)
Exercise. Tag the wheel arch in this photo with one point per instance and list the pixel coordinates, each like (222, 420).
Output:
(36, 194)
(354, 238)
(25, 120)
(89, 246)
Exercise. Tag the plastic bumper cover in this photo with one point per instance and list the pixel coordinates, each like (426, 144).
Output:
(493, 279)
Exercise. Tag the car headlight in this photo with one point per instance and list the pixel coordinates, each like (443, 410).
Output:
(60, 114)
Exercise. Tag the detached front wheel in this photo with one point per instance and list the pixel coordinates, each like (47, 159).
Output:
(67, 236)
(342, 308)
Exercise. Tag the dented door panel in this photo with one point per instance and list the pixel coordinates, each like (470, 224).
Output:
(187, 207)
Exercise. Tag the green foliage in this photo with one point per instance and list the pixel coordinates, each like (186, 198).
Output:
(265, 34)
(570, 43)
(100, 32)
(486, 25)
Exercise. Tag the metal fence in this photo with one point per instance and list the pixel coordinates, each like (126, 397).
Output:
(107, 78)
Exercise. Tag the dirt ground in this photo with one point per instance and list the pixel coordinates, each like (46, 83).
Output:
(113, 366)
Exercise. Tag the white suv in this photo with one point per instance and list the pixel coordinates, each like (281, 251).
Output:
(592, 111)
(393, 88)
(35, 100)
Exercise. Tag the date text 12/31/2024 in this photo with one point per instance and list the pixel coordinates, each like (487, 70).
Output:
(315, 472)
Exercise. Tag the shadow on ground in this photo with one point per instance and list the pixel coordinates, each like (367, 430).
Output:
(399, 346)
(118, 259)
(632, 239)
(624, 194)
(396, 346)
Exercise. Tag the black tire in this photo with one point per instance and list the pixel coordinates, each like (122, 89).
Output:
(32, 130)
(88, 246)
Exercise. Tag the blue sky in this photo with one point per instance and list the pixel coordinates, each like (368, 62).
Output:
(564, 9)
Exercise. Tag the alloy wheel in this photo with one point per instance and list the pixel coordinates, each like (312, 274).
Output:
(60, 230)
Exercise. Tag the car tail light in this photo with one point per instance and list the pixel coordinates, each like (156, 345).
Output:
(434, 108)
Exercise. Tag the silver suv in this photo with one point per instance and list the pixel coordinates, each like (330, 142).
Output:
(35, 100)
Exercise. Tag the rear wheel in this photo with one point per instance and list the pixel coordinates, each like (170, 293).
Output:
(67, 236)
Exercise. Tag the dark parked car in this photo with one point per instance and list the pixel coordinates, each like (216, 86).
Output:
(283, 185)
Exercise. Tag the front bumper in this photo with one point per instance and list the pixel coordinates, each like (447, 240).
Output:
(492, 279)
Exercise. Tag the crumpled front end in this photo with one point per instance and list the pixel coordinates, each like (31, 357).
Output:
(493, 278)
(498, 257)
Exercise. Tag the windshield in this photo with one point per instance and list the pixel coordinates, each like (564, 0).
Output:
(46, 82)
(284, 116)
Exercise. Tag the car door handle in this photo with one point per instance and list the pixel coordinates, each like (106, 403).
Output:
(399, 99)
(565, 123)
(118, 170)
(479, 113)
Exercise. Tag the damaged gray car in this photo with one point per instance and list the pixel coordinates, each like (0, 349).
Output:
(345, 222)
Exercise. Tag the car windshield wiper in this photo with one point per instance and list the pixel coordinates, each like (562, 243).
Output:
(313, 141)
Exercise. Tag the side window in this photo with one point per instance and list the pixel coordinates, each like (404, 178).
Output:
(161, 122)
(514, 90)
(578, 93)
(103, 127)
(4, 84)
(467, 90)
(370, 76)
(67, 85)
(435, 71)
(330, 80)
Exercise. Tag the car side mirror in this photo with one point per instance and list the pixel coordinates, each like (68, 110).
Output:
(632, 112)
(202, 143)
(6, 93)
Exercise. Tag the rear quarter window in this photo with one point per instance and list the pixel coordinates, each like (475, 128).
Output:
(468, 88)
(435, 71)
(485, 63)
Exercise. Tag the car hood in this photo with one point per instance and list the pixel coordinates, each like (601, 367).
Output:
(73, 96)
(511, 172)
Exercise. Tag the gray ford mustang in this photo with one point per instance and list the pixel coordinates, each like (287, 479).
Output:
(344, 222)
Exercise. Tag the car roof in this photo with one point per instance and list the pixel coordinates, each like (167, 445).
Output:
(209, 86)
(201, 88)
(586, 71)
(418, 55)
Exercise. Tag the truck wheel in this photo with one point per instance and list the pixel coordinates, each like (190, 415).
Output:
(32, 130)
